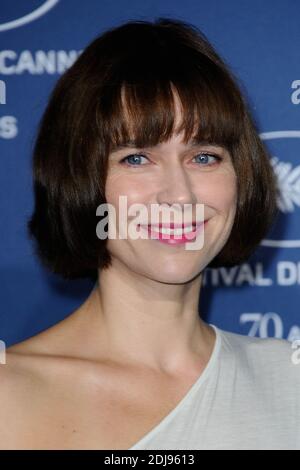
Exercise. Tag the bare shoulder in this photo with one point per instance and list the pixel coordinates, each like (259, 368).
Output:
(25, 380)
(16, 380)
(29, 361)
(34, 360)
(21, 367)
(22, 363)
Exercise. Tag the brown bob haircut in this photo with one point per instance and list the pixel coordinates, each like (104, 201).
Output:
(85, 120)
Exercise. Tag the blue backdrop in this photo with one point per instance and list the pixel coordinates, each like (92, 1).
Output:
(260, 41)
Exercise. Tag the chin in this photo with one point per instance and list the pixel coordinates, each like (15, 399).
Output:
(176, 280)
(175, 276)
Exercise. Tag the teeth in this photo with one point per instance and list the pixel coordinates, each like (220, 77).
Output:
(176, 231)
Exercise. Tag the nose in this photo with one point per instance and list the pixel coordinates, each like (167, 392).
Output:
(175, 187)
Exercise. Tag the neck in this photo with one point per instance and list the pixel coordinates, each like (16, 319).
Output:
(138, 321)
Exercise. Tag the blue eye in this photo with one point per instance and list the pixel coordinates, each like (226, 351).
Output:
(134, 158)
(209, 155)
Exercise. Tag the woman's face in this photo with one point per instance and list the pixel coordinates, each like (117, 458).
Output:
(172, 173)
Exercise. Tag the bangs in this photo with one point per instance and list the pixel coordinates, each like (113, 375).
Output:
(139, 110)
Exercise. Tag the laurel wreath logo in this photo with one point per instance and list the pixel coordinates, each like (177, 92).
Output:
(288, 179)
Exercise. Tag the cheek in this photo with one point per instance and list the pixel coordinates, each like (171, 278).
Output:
(122, 185)
(219, 191)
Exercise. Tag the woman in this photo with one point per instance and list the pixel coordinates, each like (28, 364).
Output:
(151, 112)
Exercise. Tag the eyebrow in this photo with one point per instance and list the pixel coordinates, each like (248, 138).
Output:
(191, 144)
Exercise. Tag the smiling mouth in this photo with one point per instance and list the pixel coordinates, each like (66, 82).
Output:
(173, 229)
(178, 235)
